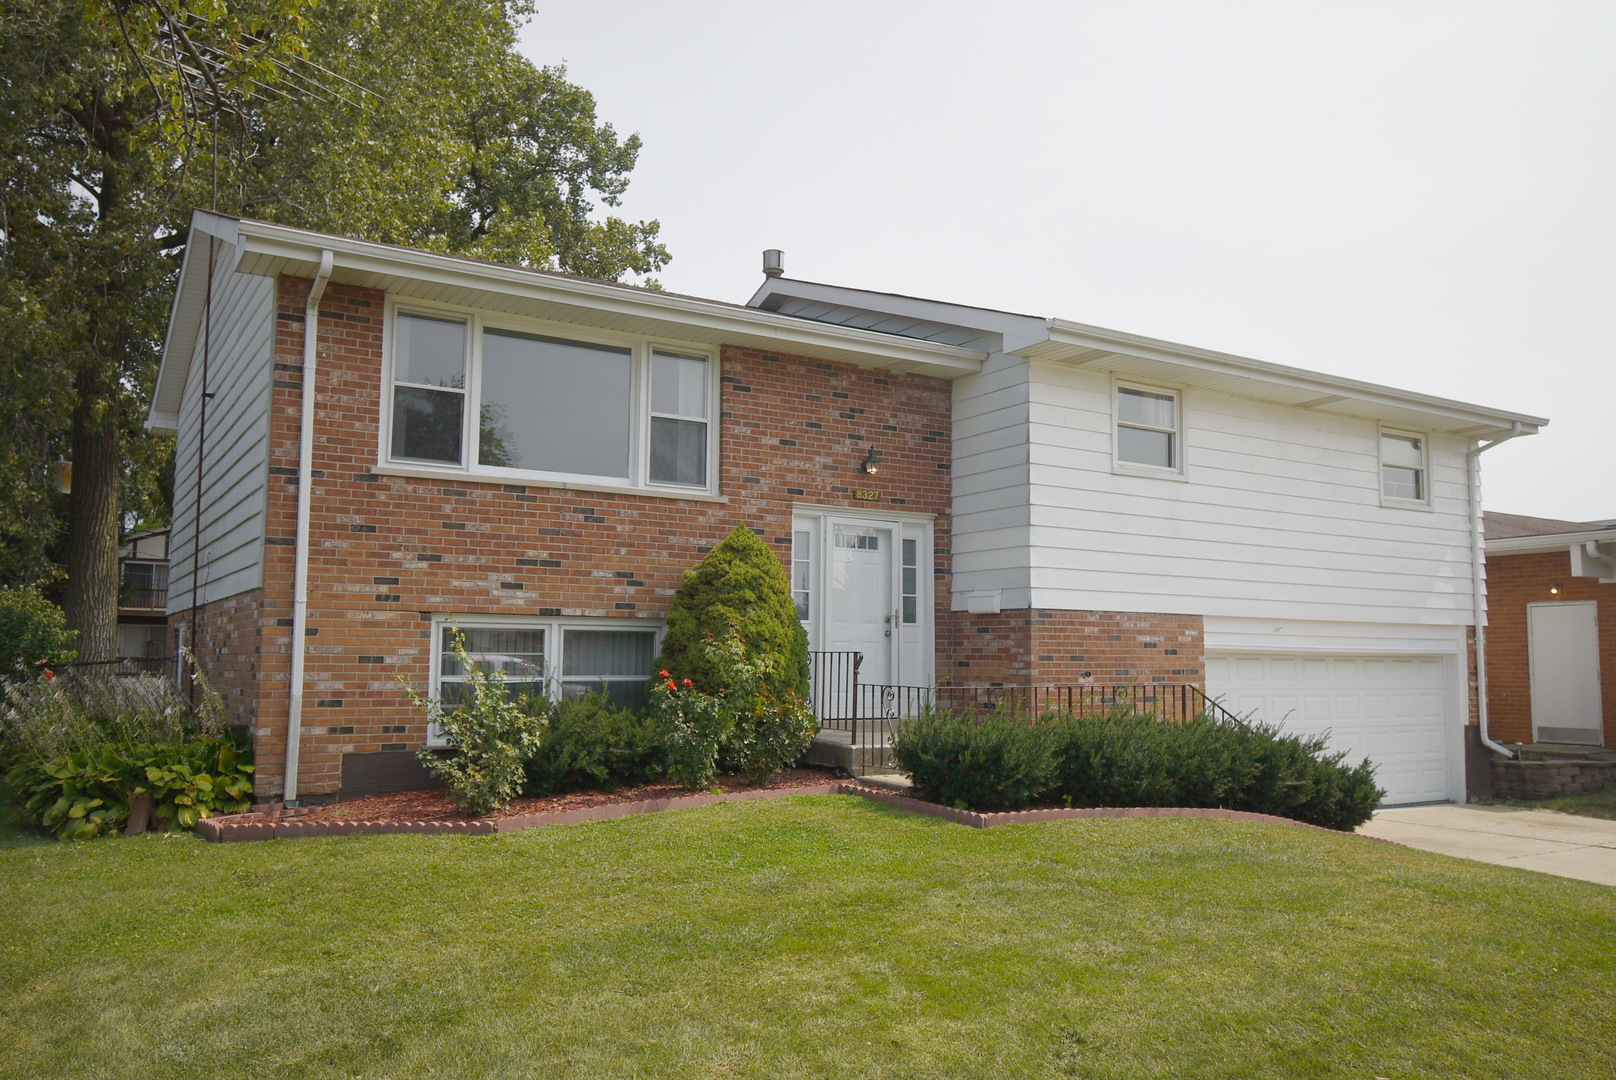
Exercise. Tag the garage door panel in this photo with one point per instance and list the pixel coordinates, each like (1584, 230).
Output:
(1391, 710)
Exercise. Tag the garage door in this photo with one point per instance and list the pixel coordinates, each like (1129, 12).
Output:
(1390, 710)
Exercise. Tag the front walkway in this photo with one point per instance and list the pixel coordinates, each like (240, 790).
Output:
(1542, 840)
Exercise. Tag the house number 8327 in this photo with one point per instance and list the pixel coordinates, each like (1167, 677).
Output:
(867, 494)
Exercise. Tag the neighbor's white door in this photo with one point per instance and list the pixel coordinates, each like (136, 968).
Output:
(861, 597)
(1563, 651)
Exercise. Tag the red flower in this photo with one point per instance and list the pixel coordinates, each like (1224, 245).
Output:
(664, 674)
(671, 686)
(688, 683)
(49, 674)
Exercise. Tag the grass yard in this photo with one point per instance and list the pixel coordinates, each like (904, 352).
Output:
(817, 936)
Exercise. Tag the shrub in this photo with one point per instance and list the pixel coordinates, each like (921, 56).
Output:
(82, 747)
(1298, 778)
(33, 632)
(592, 742)
(1124, 758)
(739, 585)
(491, 736)
(749, 726)
(1002, 761)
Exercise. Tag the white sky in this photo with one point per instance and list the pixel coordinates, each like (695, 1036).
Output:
(1420, 193)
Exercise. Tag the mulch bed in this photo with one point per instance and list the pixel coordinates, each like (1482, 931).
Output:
(434, 805)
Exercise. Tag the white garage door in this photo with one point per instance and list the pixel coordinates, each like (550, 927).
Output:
(1390, 710)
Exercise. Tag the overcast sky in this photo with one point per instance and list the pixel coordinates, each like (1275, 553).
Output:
(1420, 193)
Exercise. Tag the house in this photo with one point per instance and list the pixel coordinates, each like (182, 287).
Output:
(1551, 654)
(143, 599)
(961, 495)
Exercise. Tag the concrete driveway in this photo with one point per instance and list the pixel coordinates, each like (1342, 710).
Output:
(1542, 840)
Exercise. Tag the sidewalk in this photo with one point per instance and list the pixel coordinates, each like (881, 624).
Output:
(1541, 840)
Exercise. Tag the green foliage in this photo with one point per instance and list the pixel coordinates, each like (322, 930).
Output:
(740, 585)
(85, 744)
(1002, 761)
(748, 727)
(491, 735)
(407, 121)
(592, 742)
(32, 632)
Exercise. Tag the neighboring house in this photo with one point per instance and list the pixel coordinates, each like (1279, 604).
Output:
(1551, 634)
(961, 495)
(143, 596)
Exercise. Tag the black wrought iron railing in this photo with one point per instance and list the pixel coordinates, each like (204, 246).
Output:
(868, 712)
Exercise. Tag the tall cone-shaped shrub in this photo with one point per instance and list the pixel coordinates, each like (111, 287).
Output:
(739, 584)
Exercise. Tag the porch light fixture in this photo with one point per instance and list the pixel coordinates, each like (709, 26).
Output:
(1554, 590)
(871, 462)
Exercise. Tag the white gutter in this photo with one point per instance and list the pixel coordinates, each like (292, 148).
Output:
(305, 485)
(1477, 577)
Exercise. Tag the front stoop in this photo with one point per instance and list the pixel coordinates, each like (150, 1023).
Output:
(835, 750)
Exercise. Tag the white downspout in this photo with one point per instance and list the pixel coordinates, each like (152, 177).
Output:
(305, 485)
(1478, 589)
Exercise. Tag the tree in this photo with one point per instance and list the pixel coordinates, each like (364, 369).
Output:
(411, 122)
(741, 586)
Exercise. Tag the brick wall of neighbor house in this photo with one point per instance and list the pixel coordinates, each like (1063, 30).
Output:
(387, 552)
(1513, 581)
(1052, 647)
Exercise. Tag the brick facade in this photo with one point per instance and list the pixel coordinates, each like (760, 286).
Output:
(1513, 581)
(1048, 647)
(387, 552)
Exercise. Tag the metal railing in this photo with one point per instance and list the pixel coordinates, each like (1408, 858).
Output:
(868, 712)
(143, 599)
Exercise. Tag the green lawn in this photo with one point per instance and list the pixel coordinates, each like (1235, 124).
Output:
(820, 936)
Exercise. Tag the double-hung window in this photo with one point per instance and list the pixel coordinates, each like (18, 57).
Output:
(1402, 468)
(1149, 434)
(524, 403)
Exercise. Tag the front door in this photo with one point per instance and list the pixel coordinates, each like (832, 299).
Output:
(861, 598)
(1563, 647)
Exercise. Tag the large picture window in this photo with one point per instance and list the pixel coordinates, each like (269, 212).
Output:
(506, 401)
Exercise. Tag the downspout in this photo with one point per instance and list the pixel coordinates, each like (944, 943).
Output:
(1478, 589)
(305, 485)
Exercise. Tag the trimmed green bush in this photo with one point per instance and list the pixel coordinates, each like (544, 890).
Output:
(592, 742)
(1002, 761)
(740, 586)
(33, 632)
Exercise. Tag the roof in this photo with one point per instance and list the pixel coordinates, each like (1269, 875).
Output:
(242, 245)
(1496, 526)
(1061, 341)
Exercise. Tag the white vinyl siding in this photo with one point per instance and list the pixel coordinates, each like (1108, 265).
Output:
(1281, 515)
(235, 460)
(991, 526)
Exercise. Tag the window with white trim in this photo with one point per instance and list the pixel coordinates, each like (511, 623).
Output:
(552, 658)
(519, 401)
(1148, 430)
(1403, 467)
(802, 556)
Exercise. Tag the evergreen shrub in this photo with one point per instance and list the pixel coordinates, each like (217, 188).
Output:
(591, 742)
(33, 632)
(740, 586)
(1001, 761)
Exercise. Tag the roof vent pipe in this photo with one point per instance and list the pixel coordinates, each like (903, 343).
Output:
(774, 262)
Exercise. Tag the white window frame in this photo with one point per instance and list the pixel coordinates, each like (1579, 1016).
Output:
(470, 469)
(1423, 503)
(1135, 468)
(555, 630)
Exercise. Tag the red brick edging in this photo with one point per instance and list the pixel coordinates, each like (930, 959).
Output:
(220, 829)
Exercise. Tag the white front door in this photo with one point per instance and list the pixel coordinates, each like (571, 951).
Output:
(1563, 647)
(861, 598)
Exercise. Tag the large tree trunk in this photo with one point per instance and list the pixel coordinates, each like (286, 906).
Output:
(91, 599)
